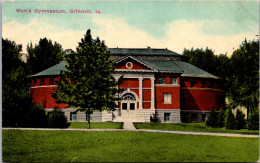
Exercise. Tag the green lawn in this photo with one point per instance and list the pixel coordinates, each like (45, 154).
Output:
(124, 146)
(97, 125)
(190, 127)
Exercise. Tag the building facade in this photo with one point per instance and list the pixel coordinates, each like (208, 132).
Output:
(159, 85)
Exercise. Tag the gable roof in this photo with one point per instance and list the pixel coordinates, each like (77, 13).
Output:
(54, 70)
(138, 61)
(142, 51)
(166, 66)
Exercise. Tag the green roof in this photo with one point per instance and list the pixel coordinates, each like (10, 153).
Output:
(54, 70)
(191, 70)
(184, 68)
(141, 51)
(178, 66)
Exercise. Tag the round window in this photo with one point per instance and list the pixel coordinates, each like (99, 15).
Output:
(129, 65)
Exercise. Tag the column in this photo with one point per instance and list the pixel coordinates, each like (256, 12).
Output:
(116, 78)
(152, 93)
(140, 93)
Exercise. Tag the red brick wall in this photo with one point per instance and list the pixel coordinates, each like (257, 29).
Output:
(146, 83)
(129, 83)
(202, 99)
(160, 90)
(43, 95)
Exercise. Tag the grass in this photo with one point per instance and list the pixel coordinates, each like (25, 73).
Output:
(191, 127)
(123, 146)
(97, 125)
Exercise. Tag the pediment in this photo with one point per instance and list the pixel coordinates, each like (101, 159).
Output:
(130, 63)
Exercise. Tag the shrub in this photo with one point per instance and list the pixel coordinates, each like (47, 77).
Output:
(37, 117)
(57, 119)
(254, 121)
(212, 119)
(221, 118)
(240, 119)
(230, 120)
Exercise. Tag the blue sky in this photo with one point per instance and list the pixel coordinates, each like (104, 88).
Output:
(175, 25)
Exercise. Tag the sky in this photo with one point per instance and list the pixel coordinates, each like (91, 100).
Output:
(219, 25)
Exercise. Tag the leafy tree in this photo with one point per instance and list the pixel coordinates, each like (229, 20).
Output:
(18, 109)
(244, 87)
(44, 55)
(204, 59)
(88, 83)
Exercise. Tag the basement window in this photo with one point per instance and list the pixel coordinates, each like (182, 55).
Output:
(89, 115)
(73, 116)
(167, 117)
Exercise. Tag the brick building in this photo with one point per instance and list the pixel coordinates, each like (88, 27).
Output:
(158, 85)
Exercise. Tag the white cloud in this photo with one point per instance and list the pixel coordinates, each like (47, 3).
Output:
(116, 33)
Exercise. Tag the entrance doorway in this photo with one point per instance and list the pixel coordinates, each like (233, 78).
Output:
(128, 105)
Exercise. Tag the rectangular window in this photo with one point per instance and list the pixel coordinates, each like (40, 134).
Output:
(194, 117)
(73, 116)
(203, 84)
(132, 106)
(51, 82)
(192, 83)
(161, 81)
(124, 106)
(167, 117)
(167, 98)
(89, 115)
(42, 82)
(174, 80)
(35, 82)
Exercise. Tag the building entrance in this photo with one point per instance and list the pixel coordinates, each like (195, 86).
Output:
(128, 105)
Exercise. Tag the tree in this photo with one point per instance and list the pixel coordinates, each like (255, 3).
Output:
(204, 59)
(18, 109)
(88, 83)
(44, 55)
(244, 87)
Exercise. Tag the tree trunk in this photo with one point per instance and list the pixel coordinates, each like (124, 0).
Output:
(247, 113)
(88, 118)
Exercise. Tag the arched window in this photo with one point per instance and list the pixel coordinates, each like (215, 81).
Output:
(129, 97)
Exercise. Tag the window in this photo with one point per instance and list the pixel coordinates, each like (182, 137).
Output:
(167, 117)
(161, 81)
(167, 98)
(35, 82)
(194, 117)
(192, 83)
(42, 82)
(89, 115)
(73, 116)
(203, 84)
(132, 106)
(174, 80)
(124, 106)
(51, 82)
